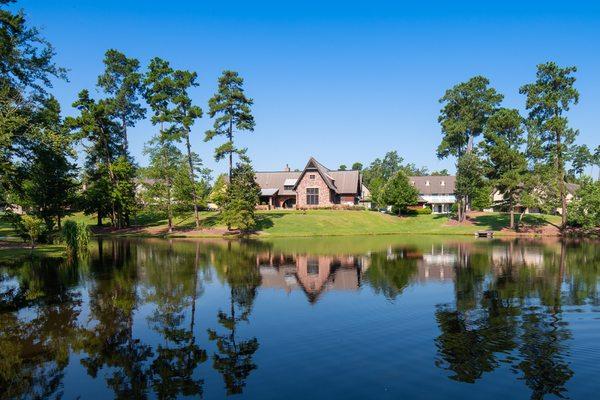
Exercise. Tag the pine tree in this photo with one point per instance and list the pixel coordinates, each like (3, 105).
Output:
(548, 99)
(232, 108)
(506, 162)
(399, 193)
(241, 199)
(165, 164)
(122, 82)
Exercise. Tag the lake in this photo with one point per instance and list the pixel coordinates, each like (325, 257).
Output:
(354, 318)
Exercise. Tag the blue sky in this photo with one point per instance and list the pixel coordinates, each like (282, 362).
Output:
(342, 81)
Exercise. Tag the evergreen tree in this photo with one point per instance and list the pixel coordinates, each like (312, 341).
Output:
(241, 199)
(183, 185)
(232, 108)
(506, 162)
(122, 82)
(581, 158)
(469, 180)
(184, 115)
(165, 164)
(95, 126)
(548, 99)
(218, 193)
(399, 193)
(467, 106)
(343, 167)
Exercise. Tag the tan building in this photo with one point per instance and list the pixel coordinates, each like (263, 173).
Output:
(435, 191)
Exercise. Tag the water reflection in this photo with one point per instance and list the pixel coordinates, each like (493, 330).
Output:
(170, 319)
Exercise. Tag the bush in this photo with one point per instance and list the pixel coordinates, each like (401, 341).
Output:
(423, 211)
(76, 237)
(33, 227)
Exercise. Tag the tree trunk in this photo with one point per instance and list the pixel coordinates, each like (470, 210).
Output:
(58, 220)
(169, 207)
(512, 216)
(518, 226)
(99, 219)
(125, 141)
(191, 165)
(111, 175)
(230, 136)
(560, 174)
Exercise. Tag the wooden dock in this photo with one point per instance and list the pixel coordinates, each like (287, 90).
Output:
(487, 234)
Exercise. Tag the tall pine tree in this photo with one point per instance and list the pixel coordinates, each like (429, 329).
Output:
(232, 109)
(548, 100)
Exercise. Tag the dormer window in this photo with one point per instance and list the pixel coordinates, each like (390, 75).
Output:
(426, 183)
(443, 183)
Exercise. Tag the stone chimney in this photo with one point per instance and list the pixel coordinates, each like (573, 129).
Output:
(287, 168)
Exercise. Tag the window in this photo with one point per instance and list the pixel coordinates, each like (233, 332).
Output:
(312, 196)
(312, 177)
(312, 267)
(288, 187)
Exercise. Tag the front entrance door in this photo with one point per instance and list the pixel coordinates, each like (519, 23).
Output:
(289, 203)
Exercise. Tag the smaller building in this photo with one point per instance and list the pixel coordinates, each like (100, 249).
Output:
(435, 191)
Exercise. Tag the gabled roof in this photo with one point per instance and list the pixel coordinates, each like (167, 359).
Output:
(276, 180)
(341, 182)
(313, 164)
(434, 184)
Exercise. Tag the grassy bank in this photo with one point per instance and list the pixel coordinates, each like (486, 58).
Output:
(330, 223)
(342, 223)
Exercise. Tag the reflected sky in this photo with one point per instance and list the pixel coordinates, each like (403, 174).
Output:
(373, 317)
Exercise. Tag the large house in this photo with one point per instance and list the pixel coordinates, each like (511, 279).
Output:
(314, 187)
(435, 191)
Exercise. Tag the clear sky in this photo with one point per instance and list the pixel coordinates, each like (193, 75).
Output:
(343, 81)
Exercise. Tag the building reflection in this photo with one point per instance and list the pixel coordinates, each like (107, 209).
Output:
(313, 274)
(318, 274)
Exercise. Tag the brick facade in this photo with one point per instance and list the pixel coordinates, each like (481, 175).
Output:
(325, 198)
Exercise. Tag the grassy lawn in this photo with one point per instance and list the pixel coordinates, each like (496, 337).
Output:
(326, 223)
(329, 222)
(45, 250)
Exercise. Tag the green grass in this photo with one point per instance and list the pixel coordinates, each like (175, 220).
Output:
(42, 250)
(329, 223)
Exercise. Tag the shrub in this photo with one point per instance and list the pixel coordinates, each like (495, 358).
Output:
(33, 227)
(423, 211)
(76, 237)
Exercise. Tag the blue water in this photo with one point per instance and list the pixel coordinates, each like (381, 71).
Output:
(378, 317)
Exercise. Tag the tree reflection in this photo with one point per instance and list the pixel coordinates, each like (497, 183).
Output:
(504, 325)
(233, 360)
(109, 341)
(390, 273)
(174, 293)
(35, 345)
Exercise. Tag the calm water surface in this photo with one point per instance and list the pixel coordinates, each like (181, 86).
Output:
(378, 317)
